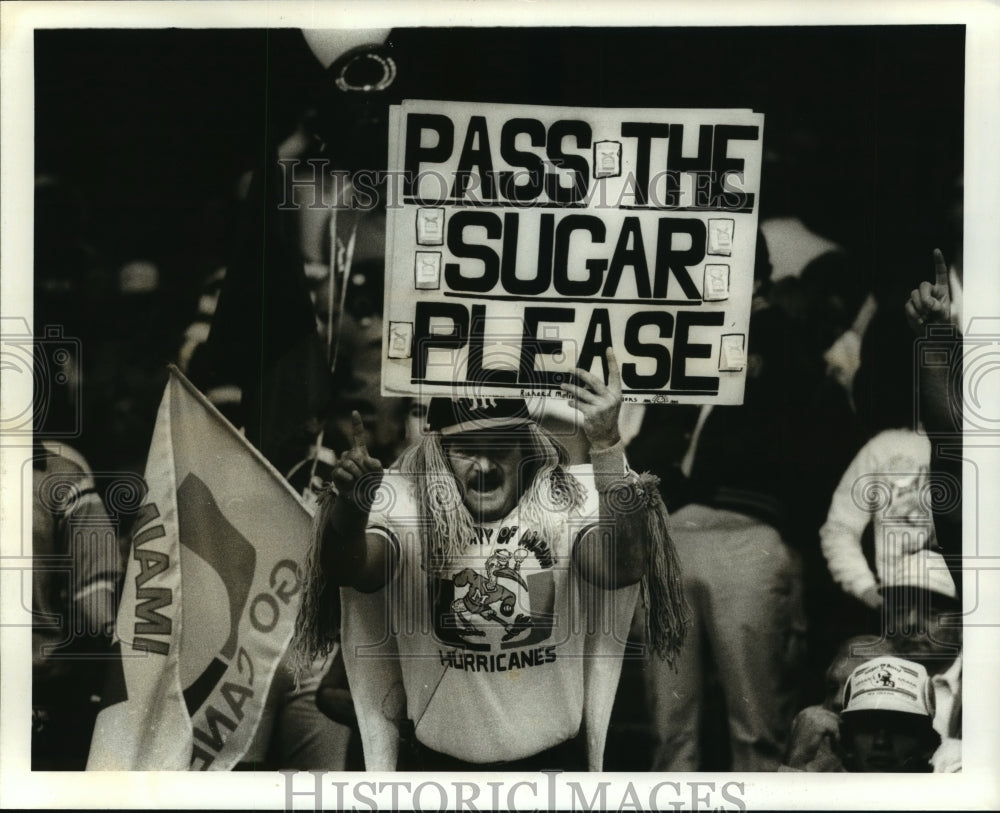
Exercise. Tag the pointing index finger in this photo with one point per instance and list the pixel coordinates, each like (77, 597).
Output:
(359, 432)
(942, 278)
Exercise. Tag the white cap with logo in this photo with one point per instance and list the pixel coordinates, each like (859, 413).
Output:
(889, 684)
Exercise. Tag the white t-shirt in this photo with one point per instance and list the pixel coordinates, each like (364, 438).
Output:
(491, 650)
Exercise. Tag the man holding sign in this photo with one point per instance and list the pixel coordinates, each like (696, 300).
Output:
(487, 587)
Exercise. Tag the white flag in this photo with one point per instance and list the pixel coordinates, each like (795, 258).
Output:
(211, 593)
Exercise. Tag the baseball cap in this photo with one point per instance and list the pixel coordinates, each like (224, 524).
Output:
(451, 417)
(889, 684)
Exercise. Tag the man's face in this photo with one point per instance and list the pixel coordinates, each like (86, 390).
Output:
(883, 742)
(487, 466)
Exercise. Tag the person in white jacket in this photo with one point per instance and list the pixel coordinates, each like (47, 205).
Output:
(886, 484)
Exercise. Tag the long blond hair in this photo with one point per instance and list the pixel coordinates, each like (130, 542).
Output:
(550, 496)
(551, 493)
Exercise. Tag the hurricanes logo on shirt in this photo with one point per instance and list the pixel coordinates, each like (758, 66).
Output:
(493, 605)
(486, 595)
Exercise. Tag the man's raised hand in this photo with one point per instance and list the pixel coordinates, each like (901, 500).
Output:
(356, 474)
(931, 302)
(599, 403)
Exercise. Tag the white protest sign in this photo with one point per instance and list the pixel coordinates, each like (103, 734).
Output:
(522, 241)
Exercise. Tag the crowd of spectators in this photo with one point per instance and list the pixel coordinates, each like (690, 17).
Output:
(807, 542)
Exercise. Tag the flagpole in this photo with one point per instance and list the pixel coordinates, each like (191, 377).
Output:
(199, 396)
(333, 349)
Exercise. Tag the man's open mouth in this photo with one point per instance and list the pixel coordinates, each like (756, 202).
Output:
(485, 483)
